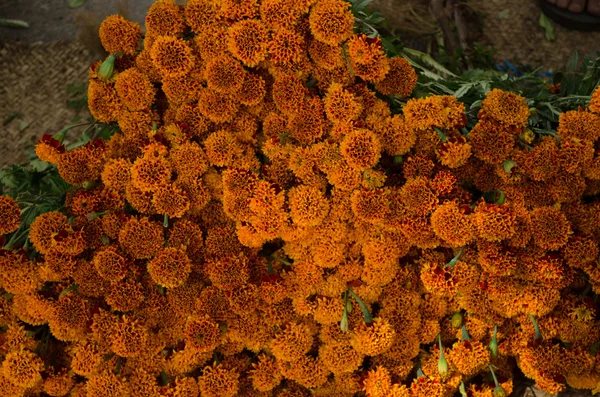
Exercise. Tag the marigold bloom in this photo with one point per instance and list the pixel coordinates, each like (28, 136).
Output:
(202, 334)
(325, 56)
(170, 268)
(292, 342)
(103, 101)
(150, 172)
(579, 124)
(417, 196)
(23, 368)
(361, 148)
(217, 381)
(44, 227)
(495, 222)
(331, 21)
(289, 94)
(49, 149)
(116, 174)
(247, 41)
(253, 89)
(371, 206)
(373, 339)
(141, 238)
(427, 387)
(341, 105)
(172, 56)
(308, 205)
(217, 107)
(58, 384)
(444, 112)
(491, 142)
(120, 35)
(107, 385)
(129, 337)
(10, 215)
(340, 358)
(109, 264)
(165, 18)
(125, 295)
(550, 228)
(452, 225)
(279, 14)
(265, 374)
(580, 251)
(202, 15)
(224, 74)
(69, 321)
(400, 80)
(135, 89)
(505, 107)
(286, 47)
(367, 58)
(171, 200)
(378, 383)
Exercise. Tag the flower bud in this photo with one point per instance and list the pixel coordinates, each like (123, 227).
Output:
(493, 346)
(344, 322)
(457, 320)
(442, 363)
(89, 185)
(499, 391)
(105, 71)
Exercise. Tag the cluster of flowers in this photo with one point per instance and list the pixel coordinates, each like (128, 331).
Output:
(263, 225)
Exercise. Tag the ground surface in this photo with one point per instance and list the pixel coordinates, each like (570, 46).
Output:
(38, 63)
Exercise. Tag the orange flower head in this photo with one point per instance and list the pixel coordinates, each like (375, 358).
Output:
(418, 197)
(505, 108)
(340, 358)
(373, 339)
(10, 215)
(289, 93)
(341, 105)
(286, 48)
(495, 222)
(253, 89)
(172, 56)
(292, 342)
(170, 268)
(150, 172)
(120, 35)
(367, 58)
(306, 371)
(579, 124)
(202, 334)
(202, 15)
(331, 21)
(444, 112)
(171, 200)
(110, 264)
(455, 152)
(44, 227)
(218, 381)
(225, 74)
(325, 56)
(361, 148)
(70, 318)
(218, 107)
(371, 206)
(308, 124)
(452, 225)
(125, 295)
(397, 136)
(49, 149)
(247, 41)
(228, 272)
(59, 383)
(135, 89)
(23, 368)
(427, 387)
(308, 205)
(265, 374)
(129, 337)
(103, 101)
(469, 356)
(491, 142)
(550, 227)
(141, 238)
(107, 384)
(140, 200)
(580, 251)
(400, 80)
(116, 174)
(165, 18)
(279, 14)
(239, 9)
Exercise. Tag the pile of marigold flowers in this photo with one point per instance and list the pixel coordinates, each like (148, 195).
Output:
(262, 224)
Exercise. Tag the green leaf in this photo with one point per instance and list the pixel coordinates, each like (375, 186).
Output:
(463, 90)
(39, 165)
(14, 23)
(573, 62)
(76, 3)
(360, 5)
(547, 26)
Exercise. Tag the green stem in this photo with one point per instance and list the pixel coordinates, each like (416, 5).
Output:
(166, 221)
(538, 334)
(367, 315)
(287, 263)
(494, 376)
(454, 260)
(465, 333)
(442, 136)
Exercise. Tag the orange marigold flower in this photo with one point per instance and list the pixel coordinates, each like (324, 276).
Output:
(289, 93)
(170, 268)
(579, 124)
(286, 47)
(367, 58)
(279, 14)
(400, 80)
(237, 10)
(10, 215)
(361, 148)
(125, 295)
(120, 35)
(189, 161)
(331, 21)
(469, 356)
(171, 200)
(452, 225)
(129, 337)
(247, 41)
(218, 107)
(58, 384)
(23, 368)
(224, 74)
(202, 15)
(141, 238)
(172, 56)
(594, 105)
(397, 136)
(135, 89)
(107, 385)
(228, 272)
(165, 18)
(70, 318)
(374, 338)
(580, 251)
(308, 124)
(103, 101)
(341, 105)
(110, 264)
(427, 387)
(340, 358)
(550, 227)
(265, 374)
(324, 55)
(308, 205)
(444, 112)
(371, 206)
(44, 228)
(116, 174)
(253, 89)
(505, 107)
(222, 148)
(218, 381)
(418, 197)
(307, 371)
(495, 222)
(202, 334)
(140, 200)
(292, 342)
(150, 172)
(455, 152)
(491, 142)
(49, 149)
